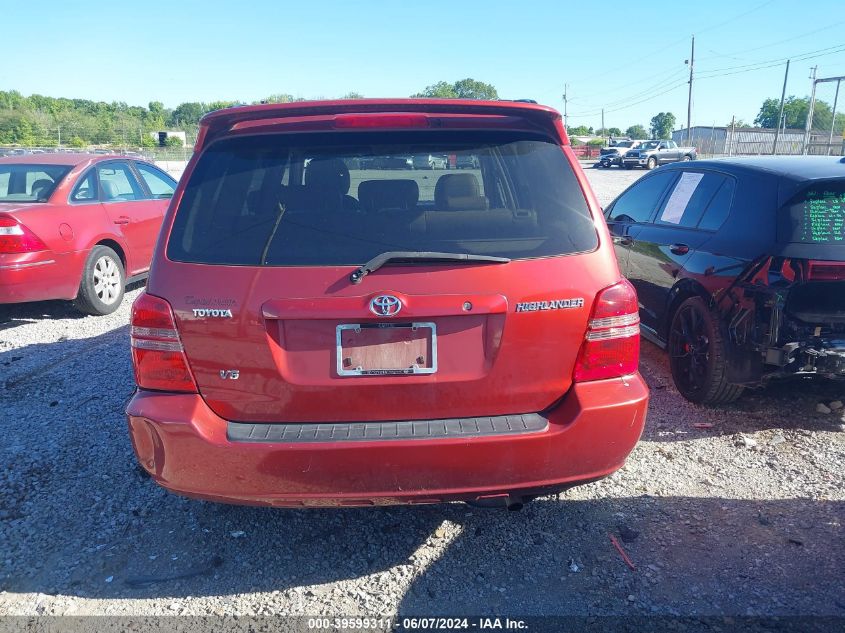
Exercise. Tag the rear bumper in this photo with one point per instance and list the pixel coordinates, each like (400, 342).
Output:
(37, 277)
(184, 446)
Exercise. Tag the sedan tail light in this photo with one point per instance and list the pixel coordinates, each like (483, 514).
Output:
(157, 353)
(17, 238)
(612, 345)
(826, 271)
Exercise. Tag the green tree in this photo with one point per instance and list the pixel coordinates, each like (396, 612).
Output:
(614, 131)
(281, 97)
(77, 142)
(472, 89)
(187, 114)
(581, 130)
(636, 132)
(173, 141)
(440, 90)
(353, 95)
(662, 125)
(795, 112)
(463, 89)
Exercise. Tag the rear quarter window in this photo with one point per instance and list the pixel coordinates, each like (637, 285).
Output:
(330, 199)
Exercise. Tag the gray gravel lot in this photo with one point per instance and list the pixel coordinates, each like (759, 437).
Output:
(729, 511)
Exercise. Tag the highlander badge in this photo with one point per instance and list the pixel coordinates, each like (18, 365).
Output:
(553, 304)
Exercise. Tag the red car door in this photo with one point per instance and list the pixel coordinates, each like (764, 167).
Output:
(131, 208)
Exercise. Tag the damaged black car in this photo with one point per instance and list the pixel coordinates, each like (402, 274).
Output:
(740, 269)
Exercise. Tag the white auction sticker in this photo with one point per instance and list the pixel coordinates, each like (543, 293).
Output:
(677, 204)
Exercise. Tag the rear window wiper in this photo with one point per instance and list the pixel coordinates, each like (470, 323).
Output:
(420, 257)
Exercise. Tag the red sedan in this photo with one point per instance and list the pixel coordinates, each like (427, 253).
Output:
(78, 227)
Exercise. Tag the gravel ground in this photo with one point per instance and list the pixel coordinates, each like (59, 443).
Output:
(731, 511)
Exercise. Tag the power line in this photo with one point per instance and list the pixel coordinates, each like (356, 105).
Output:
(821, 52)
(713, 74)
(777, 43)
(679, 41)
(663, 81)
(633, 103)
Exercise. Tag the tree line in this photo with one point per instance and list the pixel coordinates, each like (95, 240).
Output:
(43, 121)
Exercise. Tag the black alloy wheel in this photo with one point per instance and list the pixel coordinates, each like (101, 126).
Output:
(696, 355)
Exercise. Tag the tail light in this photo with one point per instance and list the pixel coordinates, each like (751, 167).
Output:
(612, 345)
(157, 353)
(16, 238)
(826, 271)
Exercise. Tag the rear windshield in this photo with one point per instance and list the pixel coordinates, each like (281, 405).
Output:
(29, 183)
(816, 215)
(342, 199)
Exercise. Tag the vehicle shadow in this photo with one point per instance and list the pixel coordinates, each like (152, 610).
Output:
(692, 556)
(15, 314)
(787, 404)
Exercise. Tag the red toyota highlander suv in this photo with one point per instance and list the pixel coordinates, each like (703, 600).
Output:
(324, 324)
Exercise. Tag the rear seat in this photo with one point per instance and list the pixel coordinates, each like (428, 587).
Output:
(459, 192)
(381, 195)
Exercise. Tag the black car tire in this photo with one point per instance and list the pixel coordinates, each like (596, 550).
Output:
(652, 163)
(91, 299)
(686, 157)
(697, 355)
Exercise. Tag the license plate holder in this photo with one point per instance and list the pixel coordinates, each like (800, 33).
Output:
(386, 349)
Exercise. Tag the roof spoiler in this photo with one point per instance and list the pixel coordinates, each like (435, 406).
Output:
(219, 122)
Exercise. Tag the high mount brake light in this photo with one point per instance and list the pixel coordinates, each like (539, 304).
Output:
(344, 121)
(157, 353)
(612, 344)
(17, 238)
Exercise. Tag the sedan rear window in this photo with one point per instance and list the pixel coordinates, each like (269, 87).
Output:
(29, 183)
(331, 199)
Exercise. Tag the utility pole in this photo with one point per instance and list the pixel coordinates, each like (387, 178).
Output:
(833, 117)
(565, 103)
(603, 131)
(59, 128)
(733, 136)
(809, 122)
(780, 116)
(691, 61)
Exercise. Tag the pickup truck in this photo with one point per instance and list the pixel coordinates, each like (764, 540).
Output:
(612, 155)
(650, 154)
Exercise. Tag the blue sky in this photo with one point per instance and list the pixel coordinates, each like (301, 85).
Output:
(611, 54)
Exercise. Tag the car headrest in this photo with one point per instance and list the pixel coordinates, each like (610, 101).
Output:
(41, 186)
(455, 192)
(110, 189)
(328, 174)
(388, 194)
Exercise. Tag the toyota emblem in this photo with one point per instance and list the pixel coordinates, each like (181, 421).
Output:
(385, 305)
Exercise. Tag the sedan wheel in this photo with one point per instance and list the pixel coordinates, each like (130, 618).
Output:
(652, 163)
(103, 281)
(106, 280)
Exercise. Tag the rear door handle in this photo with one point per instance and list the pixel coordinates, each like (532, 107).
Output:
(679, 249)
(123, 219)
